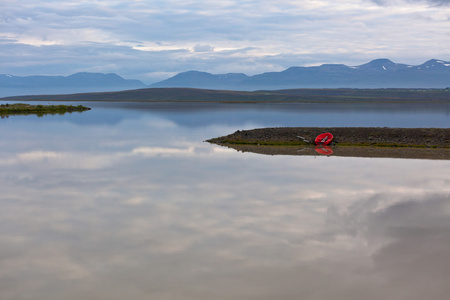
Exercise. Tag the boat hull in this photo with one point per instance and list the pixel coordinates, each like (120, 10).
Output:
(324, 138)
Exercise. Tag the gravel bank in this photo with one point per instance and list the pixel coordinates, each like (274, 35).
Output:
(419, 143)
(343, 136)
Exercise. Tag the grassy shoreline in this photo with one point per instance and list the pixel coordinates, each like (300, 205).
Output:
(39, 110)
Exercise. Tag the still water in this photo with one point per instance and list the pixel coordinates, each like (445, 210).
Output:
(127, 202)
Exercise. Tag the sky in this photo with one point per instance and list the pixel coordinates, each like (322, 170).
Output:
(154, 40)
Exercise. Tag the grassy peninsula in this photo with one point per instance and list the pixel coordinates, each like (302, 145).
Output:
(39, 110)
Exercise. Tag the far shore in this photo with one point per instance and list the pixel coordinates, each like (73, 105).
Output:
(318, 95)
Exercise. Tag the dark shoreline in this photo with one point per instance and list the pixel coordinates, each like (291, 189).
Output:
(426, 143)
(319, 95)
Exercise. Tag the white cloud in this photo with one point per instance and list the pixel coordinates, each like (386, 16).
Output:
(409, 2)
(203, 48)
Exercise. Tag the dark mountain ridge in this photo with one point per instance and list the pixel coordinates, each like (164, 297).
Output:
(379, 73)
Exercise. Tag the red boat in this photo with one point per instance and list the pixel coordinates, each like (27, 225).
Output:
(324, 138)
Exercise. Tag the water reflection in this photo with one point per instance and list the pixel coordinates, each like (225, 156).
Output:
(144, 209)
(347, 151)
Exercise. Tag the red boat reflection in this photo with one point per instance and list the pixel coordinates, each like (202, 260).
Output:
(324, 149)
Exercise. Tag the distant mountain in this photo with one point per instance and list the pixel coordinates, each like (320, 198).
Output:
(203, 80)
(379, 73)
(76, 83)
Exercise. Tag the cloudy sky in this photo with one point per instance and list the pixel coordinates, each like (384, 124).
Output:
(153, 40)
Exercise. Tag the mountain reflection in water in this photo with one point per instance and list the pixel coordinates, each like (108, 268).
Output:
(143, 209)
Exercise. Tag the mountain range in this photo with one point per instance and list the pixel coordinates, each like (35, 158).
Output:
(82, 82)
(379, 73)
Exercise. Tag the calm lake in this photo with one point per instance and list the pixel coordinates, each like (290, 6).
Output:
(127, 201)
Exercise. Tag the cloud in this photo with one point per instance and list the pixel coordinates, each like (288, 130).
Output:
(403, 2)
(203, 48)
(140, 39)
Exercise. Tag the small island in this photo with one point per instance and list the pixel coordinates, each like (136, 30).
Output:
(39, 109)
(428, 143)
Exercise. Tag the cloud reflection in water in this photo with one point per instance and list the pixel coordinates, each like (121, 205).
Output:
(176, 218)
